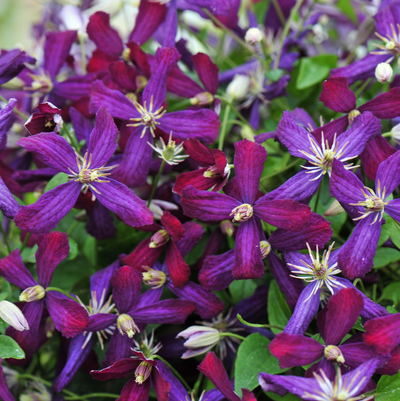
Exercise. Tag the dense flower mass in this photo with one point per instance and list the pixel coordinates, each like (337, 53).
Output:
(201, 202)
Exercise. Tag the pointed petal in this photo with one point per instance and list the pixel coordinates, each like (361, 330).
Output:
(329, 130)
(207, 206)
(68, 316)
(142, 255)
(207, 72)
(73, 88)
(121, 368)
(357, 353)
(199, 124)
(170, 25)
(393, 209)
(100, 223)
(383, 333)
(101, 321)
(127, 284)
(213, 368)
(178, 269)
(103, 139)
(12, 63)
(196, 179)
(281, 213)
(195, 149)
(51, 149)
(295, 350)
(49, 209)
(388, 174)
(161, 386)
(177, 391)
(53, 248)
(249, 165)
(248, 261)
(193, 233)
(123, 202)
(8, 205)
(119, 347)
(216, 273)
(172, 225)
(337, 96)
(5, 122)
(384, 106)
(13, 270)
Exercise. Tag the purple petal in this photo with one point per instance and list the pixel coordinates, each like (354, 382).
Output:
(53, 248)
(193, 233)
(216, 273)
(388, 174)
(177, 392)
(100, 223)
(12, 63)
(207, 72)
(168, 28)
(56, 50)
(249, 164)
(49, 209)
(329, 130)
(337, 96)
(123, 202)
(357, 353)
(281, 213)
(8, 205)
(388, 14)
(51, 149)
(142, 255)
(74, 88)
(100, 281)
(393, 209)
(13, 270)
(118, 348)
(6, 121)
(248, 260)
(384, 106)
(127, 284)
(5, 394)
(199, 124)
(100, 322)
(113, 101)
(356, 256)
(82, 126)
(68, 316)
(207, 206)
(103, 139)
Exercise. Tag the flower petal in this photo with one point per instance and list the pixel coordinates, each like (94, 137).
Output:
(13, 270)
(195, 149)
(193, 233)
(119, 347)
(388, 174)
(178, 269)
(207, 72)
(384, 106)
(121, 368)
(127, 284)
(161, 386)
(142, 255)
(5, 121)
(337, 96)
(8, 205)
(216, 273)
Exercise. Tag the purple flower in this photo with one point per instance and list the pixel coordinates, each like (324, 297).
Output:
(12, 63)
(48, 119)
(240, 203)
(68, 316)
(5, 394)
(366, 206)
(89, 172)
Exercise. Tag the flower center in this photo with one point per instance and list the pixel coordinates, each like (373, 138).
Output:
(169, 152)
(265, 248)
(202, 99)
(333, 353)
(242, 213)
(126, 325)
(142, 372)
(352, 115)
(32, 294)
(391, 44)
(153, 278)
(148, 117)
(160, 238)
(41, 83)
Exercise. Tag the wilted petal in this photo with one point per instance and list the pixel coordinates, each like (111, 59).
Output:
(337, 96)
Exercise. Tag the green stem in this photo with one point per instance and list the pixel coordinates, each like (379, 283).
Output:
(318, 196)
(362, 87)
(232, 335)
(24, 116)
(155, 182)
(223, 128)
(182, 380)
(72, 139)
(283, 169)
(62, 292)
(5, 237)
(72, 227)
(358, 280)
(285, 32)
(279, 12)
(92, 395)
(387, 134)
(267, 326)
(27, 236)
(83, 53)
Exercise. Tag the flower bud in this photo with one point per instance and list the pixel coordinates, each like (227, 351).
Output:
(239, 87)
(160, 238)
(242, 213)
(383, 73)
(126, 325)
(32, 294)
(253, 36)
(12, 315)
(265, 248)
(142, 372)
(199, 339)
(153, 278)
(227, 227)
(334, 209)
(202, 99)
(333, 353)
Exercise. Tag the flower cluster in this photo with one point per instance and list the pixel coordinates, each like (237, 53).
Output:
(163, 205)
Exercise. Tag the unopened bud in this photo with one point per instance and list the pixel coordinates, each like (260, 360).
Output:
(265, 248)
(32, 294)
(142, 372)
(253, 36)
(199, 339)
(153, 278)
(126, 325)
(383, 73)
(333, 353)
(202, 99)
(227, 227)
(352, 115)
(160, 238)
(239, 87)
(12, 315)
(334, 209)
(242, 213)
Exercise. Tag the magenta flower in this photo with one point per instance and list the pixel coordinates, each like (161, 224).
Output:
(68, 316)
(202, 124)
(240, 203)
(48, 119)
(366, 207)
(90, 172)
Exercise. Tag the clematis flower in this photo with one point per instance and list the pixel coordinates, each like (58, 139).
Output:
(6, 121)
(349, 386)
(8, 205)
(240, 203)
(214, 175)
(150, 115)
(5, 393)
(320, 155)
(296, 350)
(146, 373)
(357, 254)
(12, 63)
(89, 172)
(48, 119)
(68, 316)
(99, 311)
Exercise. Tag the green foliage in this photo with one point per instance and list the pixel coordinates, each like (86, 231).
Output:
(388, 388)
(314, 69)
(58, 179)
(10, 348)
(278, 310)
(385, 256)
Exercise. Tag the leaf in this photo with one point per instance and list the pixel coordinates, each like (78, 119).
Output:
(314, 69)
(275, 75)
(253, 357)
(394, 231)
(278, 310)
(73, 249)
(241, 289)
(58, 179)
(388, 388)
(10, 349)
(286, 397)
(29, 254)
(392, 293)
(386, 230)
(384, 256)
(347, 8)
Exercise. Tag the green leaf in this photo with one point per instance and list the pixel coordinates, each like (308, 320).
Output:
(60, 178)
(388, 388)
(286, 397)
(253, 357)
(29, 254)
(278, 310)
(384, 256)
(10, 349)
(73, 249)
(392, 293)
(314, 69)
(394, 231)
(348, 9)
(241, 289)
(275, 75)
(386, 230)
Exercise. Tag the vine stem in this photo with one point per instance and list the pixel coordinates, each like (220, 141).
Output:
(318, 196)
(182, 380)
(83, 52)
(266, 326)
(3, 233)
(62, 292)
(223, 128)
(232, 335)
(27, 236)
(155, 183)
(24, 116)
